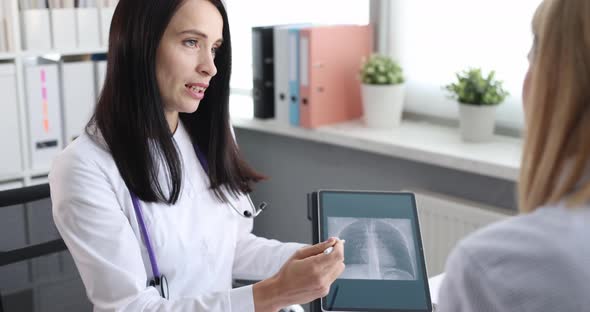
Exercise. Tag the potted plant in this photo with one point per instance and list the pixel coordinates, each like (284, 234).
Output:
(478, 96)
(382, 91)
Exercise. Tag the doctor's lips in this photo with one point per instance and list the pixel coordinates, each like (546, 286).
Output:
(196, 90)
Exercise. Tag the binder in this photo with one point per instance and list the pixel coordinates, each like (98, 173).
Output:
(282, 70)
(88, 33)
(10, 158)
(43, 106)
(35, 29)
(78, 89)
(3, 34)
(9, 26)
(281, 74)
(63, 28)
(106, 16)
(330, 58)
(263, 71)
(294, 76)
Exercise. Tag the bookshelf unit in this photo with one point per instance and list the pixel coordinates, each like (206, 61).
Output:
(31, 285)
(20, 56)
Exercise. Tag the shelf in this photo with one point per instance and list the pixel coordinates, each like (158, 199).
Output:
(11, 177)
(66, 52)
(35, 173)
(7, 56)
(39, 180)
(416, 141)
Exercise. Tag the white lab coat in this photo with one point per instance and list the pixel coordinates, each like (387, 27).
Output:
(200, 244)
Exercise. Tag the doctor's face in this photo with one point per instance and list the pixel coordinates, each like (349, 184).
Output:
(185, 56)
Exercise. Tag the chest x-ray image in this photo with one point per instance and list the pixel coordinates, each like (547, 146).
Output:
(381, 249)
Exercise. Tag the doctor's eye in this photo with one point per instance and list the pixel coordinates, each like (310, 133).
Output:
(214, 51)
(191, 43)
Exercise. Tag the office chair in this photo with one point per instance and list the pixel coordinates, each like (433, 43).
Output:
(21, 196)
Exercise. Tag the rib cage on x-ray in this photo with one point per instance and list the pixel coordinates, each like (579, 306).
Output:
(376, 248)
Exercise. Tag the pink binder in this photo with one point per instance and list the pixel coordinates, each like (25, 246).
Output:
(330, 59)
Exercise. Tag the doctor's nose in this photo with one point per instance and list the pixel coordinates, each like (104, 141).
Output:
(206, 65)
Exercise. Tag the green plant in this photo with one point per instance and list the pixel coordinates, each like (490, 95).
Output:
(381, 70)
(473, 89)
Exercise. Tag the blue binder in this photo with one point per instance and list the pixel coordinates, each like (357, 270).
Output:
(294, 76)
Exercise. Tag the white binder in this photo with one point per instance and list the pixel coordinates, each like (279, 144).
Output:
(10, 158)
(8, 26)
(3, 41)
(88, 33)
(44, 115)
(35, 29)
(78, 91)
(281, 73)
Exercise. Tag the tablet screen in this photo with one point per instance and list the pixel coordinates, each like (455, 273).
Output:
(383, 253)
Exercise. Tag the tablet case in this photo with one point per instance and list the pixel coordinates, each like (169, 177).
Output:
(312, 215)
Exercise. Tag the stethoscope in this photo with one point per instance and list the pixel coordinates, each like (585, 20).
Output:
(158, 280)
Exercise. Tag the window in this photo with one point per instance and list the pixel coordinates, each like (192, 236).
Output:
(435, 39)
(243, 15)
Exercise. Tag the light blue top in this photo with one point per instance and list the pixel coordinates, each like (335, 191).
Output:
(530, 263)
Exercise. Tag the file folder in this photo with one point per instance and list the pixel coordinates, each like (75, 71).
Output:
(294, 76)
(263, 72)
(283, 53)
(79, 99)
(10, 158)
(9, 26)
(3, 32)
(44, 115)
(330, 59)
(281, 74)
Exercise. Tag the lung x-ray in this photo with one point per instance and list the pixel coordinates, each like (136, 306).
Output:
(380, 249)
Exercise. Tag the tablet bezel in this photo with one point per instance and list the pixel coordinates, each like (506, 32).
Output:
(420, 248)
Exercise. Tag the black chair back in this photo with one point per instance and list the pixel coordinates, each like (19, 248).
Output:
(22, 196)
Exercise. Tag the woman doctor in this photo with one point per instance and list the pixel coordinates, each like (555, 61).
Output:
(151, 199)
(540, 261)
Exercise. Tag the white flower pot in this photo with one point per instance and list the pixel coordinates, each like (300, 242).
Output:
(477, 122)
(383, 105)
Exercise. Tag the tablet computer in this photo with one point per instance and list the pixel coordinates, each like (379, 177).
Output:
(385, 268)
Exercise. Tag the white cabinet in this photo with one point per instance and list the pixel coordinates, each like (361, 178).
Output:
(48, 88)
(10, 157)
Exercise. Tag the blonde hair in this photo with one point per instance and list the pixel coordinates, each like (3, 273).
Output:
(557, 143)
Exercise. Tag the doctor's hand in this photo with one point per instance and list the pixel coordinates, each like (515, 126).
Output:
(306, 276)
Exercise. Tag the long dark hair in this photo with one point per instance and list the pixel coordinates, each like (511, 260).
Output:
(130, 114)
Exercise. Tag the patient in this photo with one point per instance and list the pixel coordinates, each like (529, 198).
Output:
(540, 260)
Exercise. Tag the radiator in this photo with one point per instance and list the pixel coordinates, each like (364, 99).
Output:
(445, 220)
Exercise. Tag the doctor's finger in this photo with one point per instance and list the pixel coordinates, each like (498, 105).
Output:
(337, 254)
(313, 250)
(323, 260)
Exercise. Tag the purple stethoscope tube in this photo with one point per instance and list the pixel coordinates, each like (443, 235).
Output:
(157, 277)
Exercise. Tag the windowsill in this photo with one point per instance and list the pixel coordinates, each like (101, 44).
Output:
(414, 140)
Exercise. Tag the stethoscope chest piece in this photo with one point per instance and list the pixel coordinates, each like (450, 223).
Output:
(161, 284)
